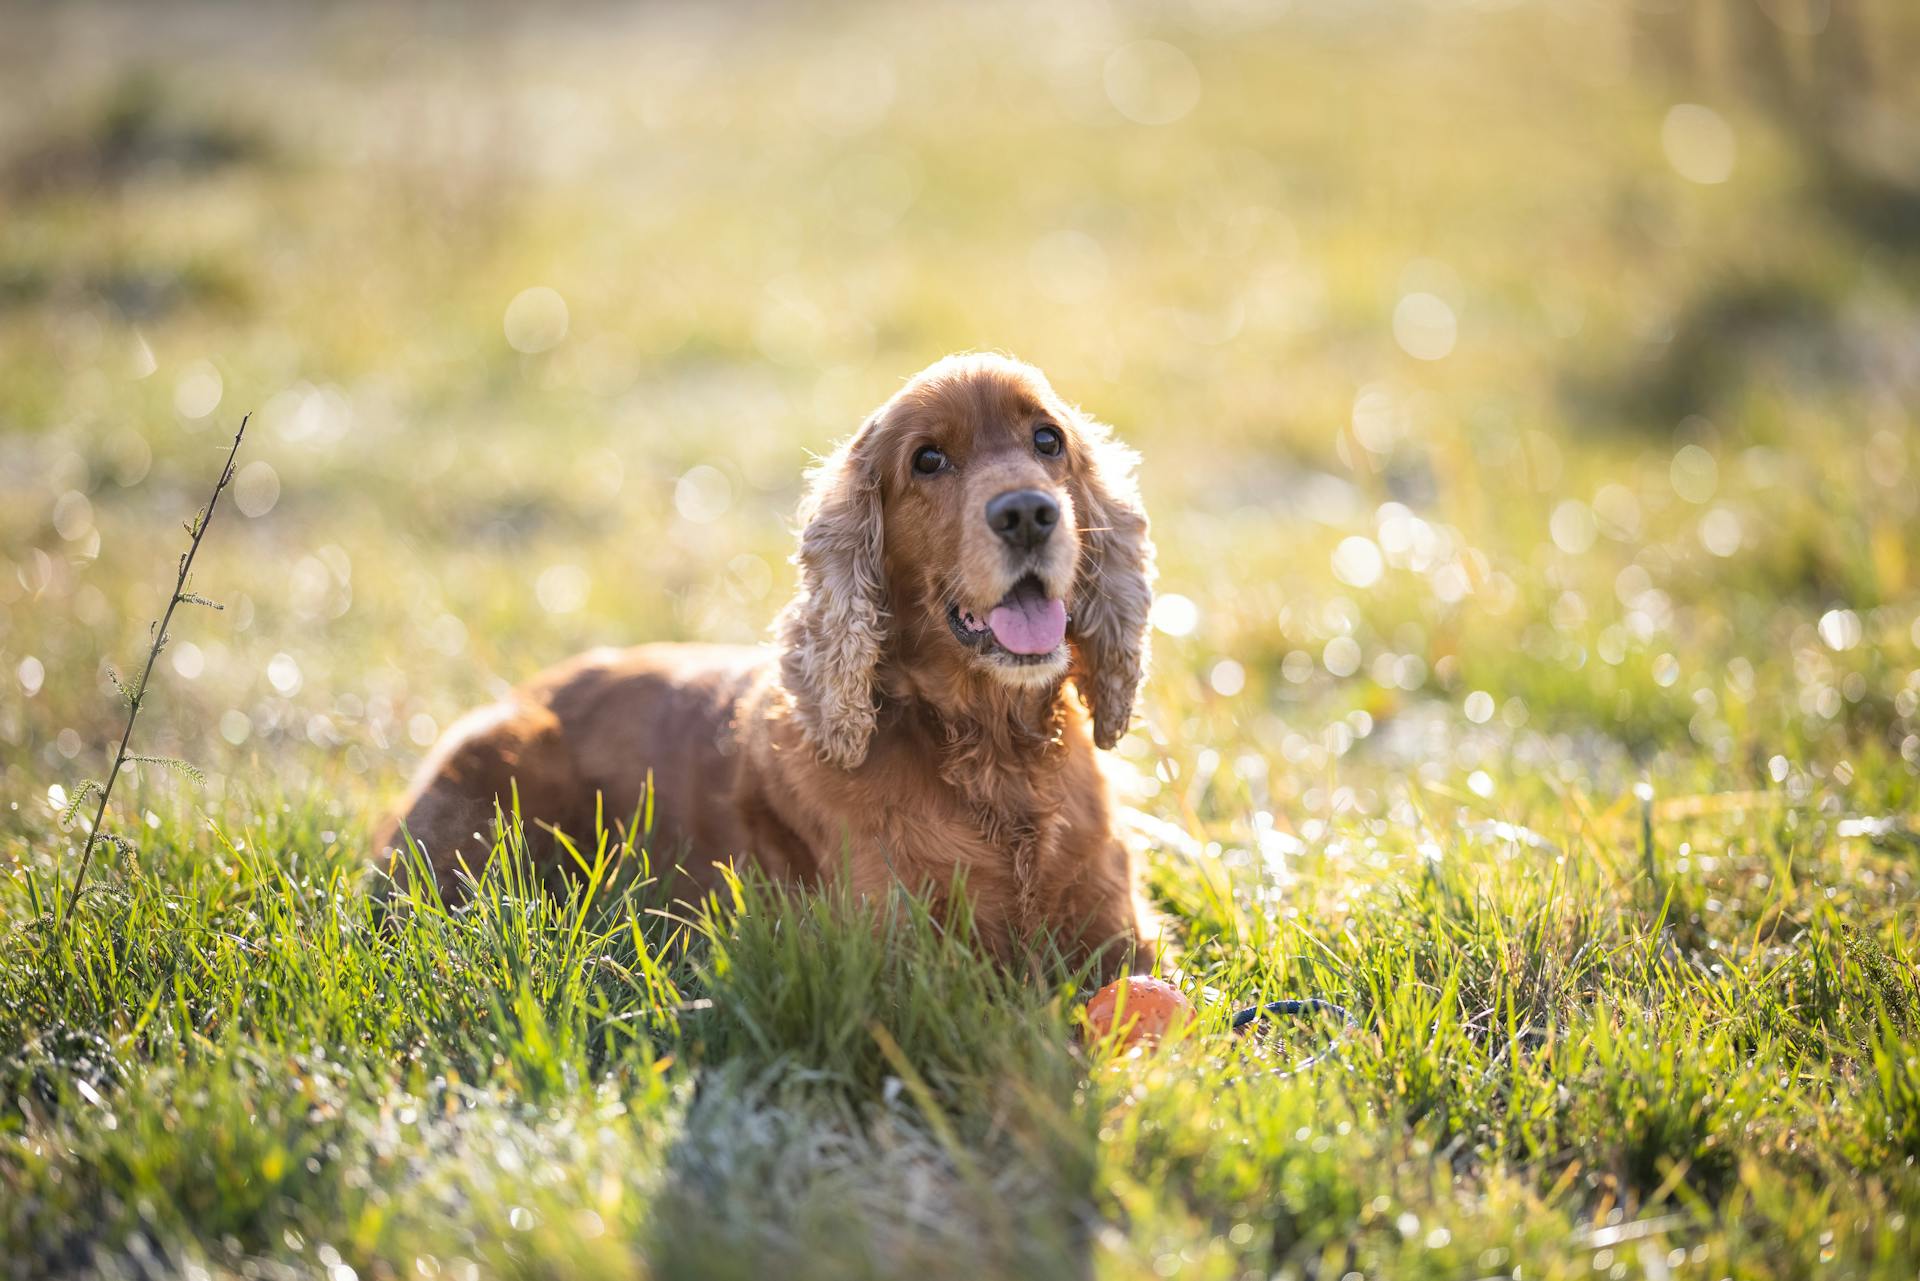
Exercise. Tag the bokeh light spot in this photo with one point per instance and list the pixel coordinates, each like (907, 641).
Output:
(1379, 418)
(1151, 82)
(562, 589)
(1357, 562)
(1297, 666)
(235, 726)
(1699, 143)
(283, 673)
(1840, 629)
(536, 320)
(72, 516)
(748, 578)
(1573, 527)
(448, 635)
(1341, 657)
(256, 489)
(1424, 326)
(1694, 473)
(1067, 266)
(1720, 532)
(1174, 614)
(198, 391)
(702, 495)
(848, 92)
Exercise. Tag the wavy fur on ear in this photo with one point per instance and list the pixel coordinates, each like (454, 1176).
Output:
(1115, 588)
(832, 631)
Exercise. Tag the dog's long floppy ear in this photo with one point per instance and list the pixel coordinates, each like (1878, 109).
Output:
(832, 631)
(1115, 588)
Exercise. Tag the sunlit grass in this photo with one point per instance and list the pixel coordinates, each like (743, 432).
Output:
(1537, 670)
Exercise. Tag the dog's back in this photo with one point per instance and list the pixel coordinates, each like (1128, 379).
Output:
(577, 744)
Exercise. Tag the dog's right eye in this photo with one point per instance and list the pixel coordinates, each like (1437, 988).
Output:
(928, 460)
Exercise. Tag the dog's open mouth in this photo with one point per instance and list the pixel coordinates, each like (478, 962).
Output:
(1027, 626)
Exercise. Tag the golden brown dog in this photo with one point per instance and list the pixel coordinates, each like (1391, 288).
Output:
(973, 548)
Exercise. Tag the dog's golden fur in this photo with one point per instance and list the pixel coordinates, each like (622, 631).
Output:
(873, 743)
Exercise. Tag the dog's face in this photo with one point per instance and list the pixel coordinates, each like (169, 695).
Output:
(978, 498)
(976, 528)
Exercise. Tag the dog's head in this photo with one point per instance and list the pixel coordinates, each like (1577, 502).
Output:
(975, 529)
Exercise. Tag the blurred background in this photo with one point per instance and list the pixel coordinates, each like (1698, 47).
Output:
(1525, 390)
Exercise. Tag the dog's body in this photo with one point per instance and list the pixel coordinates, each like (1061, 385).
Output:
(891, 735)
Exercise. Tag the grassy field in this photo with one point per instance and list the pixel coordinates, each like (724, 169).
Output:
(1527, 403)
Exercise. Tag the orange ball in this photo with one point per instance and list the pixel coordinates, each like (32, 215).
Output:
(1150, 1009)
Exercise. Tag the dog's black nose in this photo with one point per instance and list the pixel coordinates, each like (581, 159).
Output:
(1023, 517)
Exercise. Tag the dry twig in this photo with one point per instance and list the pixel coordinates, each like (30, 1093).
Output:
(137, 695)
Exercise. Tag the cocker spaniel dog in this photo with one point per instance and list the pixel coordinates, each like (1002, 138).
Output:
(975, 548)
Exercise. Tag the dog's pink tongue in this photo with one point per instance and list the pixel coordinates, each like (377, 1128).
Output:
(1029, 623)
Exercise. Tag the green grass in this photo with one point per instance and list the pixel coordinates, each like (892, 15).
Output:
(1594, 798)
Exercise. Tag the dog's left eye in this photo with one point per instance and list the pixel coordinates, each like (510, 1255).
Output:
(1048, 441)
(928, 460)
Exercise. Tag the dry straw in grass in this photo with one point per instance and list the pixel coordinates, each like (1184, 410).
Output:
(136, 695)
